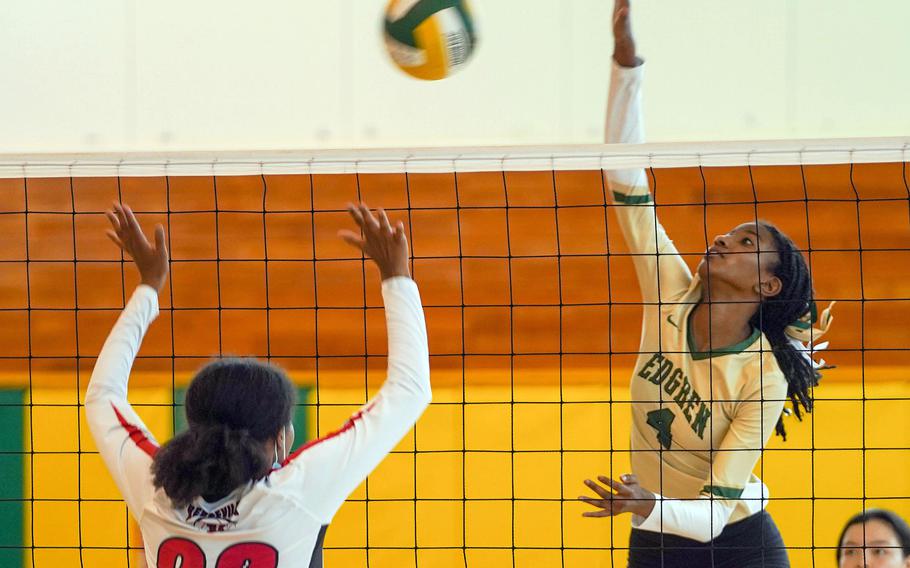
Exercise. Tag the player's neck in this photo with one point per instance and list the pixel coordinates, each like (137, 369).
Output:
(717, 324)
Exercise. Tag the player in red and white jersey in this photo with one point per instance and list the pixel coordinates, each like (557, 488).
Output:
(226, 493)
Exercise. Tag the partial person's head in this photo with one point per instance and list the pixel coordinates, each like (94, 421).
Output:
(759, 263)
(239, 414)
(875, 538)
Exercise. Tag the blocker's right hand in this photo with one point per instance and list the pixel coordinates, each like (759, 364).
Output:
(152, 261)
(379, 240)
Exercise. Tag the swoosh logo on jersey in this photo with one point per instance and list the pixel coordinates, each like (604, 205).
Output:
(670, 320)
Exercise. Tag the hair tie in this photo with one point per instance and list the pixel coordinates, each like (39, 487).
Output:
(804, 328)
(803, 336)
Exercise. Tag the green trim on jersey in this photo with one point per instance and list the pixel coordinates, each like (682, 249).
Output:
(720, 351)
(813, 318)
(631, 199)
(723, 492)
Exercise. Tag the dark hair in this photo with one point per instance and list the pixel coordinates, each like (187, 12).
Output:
(774, 314)
(890, 518)
(232, 406)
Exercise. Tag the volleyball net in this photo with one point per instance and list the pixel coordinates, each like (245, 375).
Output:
(534, 319)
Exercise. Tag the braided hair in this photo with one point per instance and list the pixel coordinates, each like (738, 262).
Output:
(774, 314)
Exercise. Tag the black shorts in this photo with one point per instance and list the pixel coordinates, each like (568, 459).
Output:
(753, 542)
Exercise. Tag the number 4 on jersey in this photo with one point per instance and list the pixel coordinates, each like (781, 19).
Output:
(661, 420)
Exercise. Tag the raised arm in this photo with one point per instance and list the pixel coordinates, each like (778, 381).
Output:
(123, 441)
(657, 262)
(333, 466)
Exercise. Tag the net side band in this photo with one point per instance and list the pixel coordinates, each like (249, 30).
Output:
(465, 159)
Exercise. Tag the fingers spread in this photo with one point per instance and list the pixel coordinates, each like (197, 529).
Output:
(112, 217)
(113, 236)
(131, 219)
(398, 231)
(616, 485)
(121, 217)
(598, 489)
(356, 214)
(351, 238)
(384, 221)
(601, 513)
(596, 502)
(135, 228)
(369, 221)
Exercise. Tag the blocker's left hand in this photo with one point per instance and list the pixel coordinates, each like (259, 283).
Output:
(617, 497)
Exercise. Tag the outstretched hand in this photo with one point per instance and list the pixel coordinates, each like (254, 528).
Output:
(623, 40)
(152, 261)
(379, 240)
(617, 497)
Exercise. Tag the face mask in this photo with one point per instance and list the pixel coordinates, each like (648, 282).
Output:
(277, 463)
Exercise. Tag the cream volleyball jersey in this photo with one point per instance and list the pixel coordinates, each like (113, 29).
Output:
(699, 419)
(278, 521)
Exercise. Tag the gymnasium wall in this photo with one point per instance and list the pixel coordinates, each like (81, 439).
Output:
(168, 75)
(463, 486)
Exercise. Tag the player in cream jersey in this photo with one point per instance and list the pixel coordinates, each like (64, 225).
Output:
(225, 493)
(721, 352)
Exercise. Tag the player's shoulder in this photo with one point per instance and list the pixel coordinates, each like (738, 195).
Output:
(764, 377)
(286, 481)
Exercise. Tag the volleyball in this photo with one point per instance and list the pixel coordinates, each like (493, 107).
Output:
(429, 39)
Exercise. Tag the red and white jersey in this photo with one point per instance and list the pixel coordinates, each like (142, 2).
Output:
(279, 520)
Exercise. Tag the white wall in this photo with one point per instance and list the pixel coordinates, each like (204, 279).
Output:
(117, 75)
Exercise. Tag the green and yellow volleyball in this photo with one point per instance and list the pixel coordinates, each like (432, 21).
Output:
(429, 39)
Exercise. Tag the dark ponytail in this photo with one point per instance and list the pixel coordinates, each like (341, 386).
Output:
(210, 461)
(775, 314)
(233, 406)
